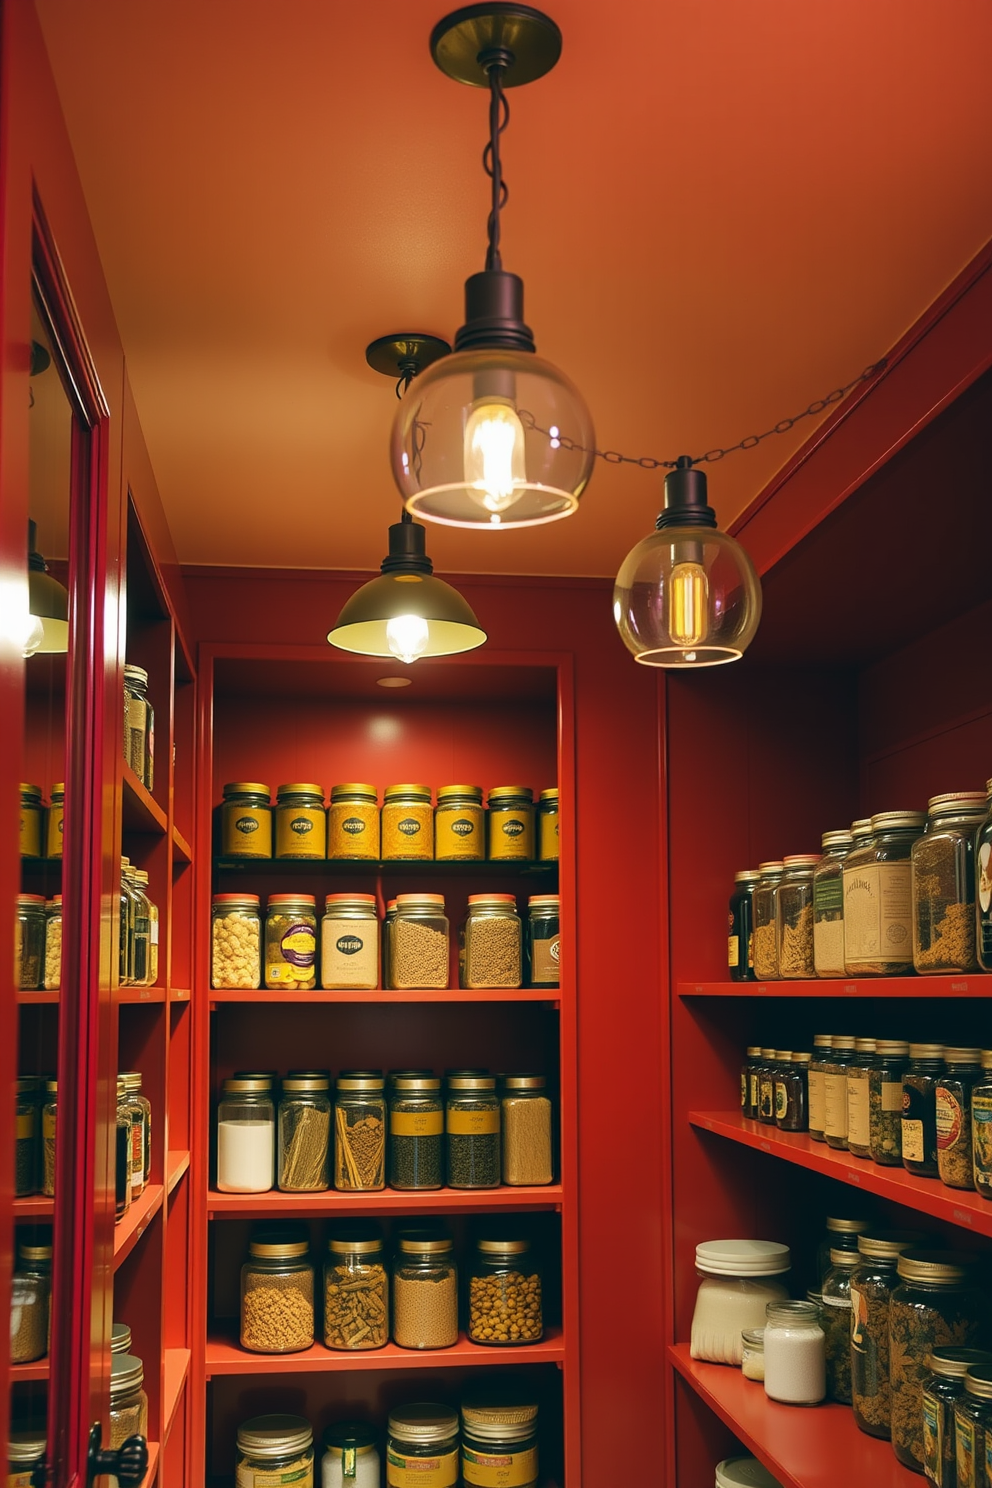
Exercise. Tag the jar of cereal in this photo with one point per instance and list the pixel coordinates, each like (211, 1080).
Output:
(236, 942)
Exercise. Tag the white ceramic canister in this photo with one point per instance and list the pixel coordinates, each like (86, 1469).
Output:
(744, 1472)
(738, 1280)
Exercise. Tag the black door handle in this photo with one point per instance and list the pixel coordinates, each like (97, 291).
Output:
(128, 1463)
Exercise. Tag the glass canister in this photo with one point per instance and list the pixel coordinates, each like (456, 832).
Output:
(842, 1233)
(919, 1109)
(511, 822)
(246, 820)
(128, 1401)
(351, 1457)
(767, 1070)
(542, 940)
(836, 1323)
(763, 910)
(793, 898)
(139, 726)
(29, 942)
(353, 822)
(126, 903)
(981, 1128)
(122, 1153)
(387, 927)
(753, 1353)
(740, 930)
(304, 1129)
(859, 1099)
(53, 944)
(781, 1069)
(422, 1446)
(872, 1283)
(749, 1081)
(277, 1292)
(407, 823)
(416, 1132)
(792, 1095)
(942, 1389)
(141, 879)
(349, 943)
(491, 942)
(504, 1294)
(973, 1427)
(525, 1118)
(139, 1109)
(25, 1455)
(291, 942)
(356, 1292)
(955, 1158)
(547, 825)
(822, 1048)
(275, 1449)
(425, 1291)
(26, 1123)
(30, 821)
(140, 930)
(878, 897)
(835, 1091)
(943, 860)
(499, 1440)
(236, 942)
(885, 1101)
(360, 1131)
(55, 821)
(30, 1299)
(246, 1136)
(301, 821)
(473, 1131)
(419, 947)
(794, 1353)
(828, 905)
(459, 824)
(738, 1279)
(983, 868)
(49, 1115)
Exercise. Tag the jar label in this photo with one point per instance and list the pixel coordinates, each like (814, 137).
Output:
(301, 826)
(858, 1110)
(744, 1084)
(933, 1440)
(499, 1469)
(859, 1320)
(408, 827)
(878, 914)
(514, 827)
(964, 1431)
(421, 1472)
(20, 1479)
(754, 1093)
(544, 959)
(981, 1130)
(816, 1087)
(293, 833)
(353, 825)
(299, 945)
(25, 1126)
(766, 1099)
(913, 1145)
(473, 1123)
(48, 1126)
(463, 827)
(416, 1123)
(246, 824)
(733, 952)
(828, 895)
(349, 945)
(950, 1119)
(781, 1100)
(250, 1477)
(835, 1105)
(988, 1459)
(891, 1095)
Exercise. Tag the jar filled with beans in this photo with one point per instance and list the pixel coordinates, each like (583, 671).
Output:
(504, 1294)
(491, 942)
(356, 1292)
(277, 1293)
(418, 941)
(236, 942)
(473, 1130)
(291, 942)
(425, 1292)
(353, 822)
(407, 823)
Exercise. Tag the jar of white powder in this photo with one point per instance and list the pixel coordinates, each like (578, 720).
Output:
(795, 1354)
(739, 1279)
(246, 1136)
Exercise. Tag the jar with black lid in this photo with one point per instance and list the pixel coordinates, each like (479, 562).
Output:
(459, 824)
(973, 1427)
(872, 1284)
(246, 820)
(766, 1087)
(763, 918)
(794, 917)
(547, 825)
(859, 1097)
(942, 1389)
(885, 1101)
(878, 897)
(828, 905)
(511, 822)
(835, 1092)
(473, 1131)
(422, 1446)
(750, 1094)
(944, 919)
(740, 928)
(919, 1109)
(792, 1107)
(981, 1128)
(541, 942)
(822, 1048)
(953, 1115)
(275, 1449)
(416, 1132)
(499, 1439)
(301, 821)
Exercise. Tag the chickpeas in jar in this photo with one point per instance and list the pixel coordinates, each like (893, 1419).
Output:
(236, 942)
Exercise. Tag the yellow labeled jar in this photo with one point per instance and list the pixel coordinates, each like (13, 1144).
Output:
(274, 1450)
(511, 822)
(422, 1447)
(547, 826)
(56, 816)
(30, 821)
(499, 1441)
(301, 822)
(407, 822)
(353, 822)
(291, 942)
(459, 824)
(246, 821)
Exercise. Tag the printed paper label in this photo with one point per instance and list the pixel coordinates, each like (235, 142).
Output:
(416, 1123)
(473, 1123)
(912, 1141)
(421, 1472)
(499, 1470)
(878, 915)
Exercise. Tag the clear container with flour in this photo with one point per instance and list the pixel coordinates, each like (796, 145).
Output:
(738, 1280)
(246, 1136)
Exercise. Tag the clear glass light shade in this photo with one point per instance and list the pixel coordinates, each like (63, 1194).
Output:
(487, 439)
(407, 616)
(687, 597)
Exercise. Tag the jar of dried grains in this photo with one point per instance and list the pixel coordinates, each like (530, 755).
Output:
(835, 1091)
(277, 1292)
(547, 825)
(353, 822)
(139, 726)
(942, 1389)
(304, 1132)
(765, 948)
(981, 1128)
(504, 1294)
(543, 940)
(491, 942)
(750, 1094)
(53, 943)
(349, 943)
(128, 1401)
(416, 1131)
(49, 1115)
(944, 884)
(422, 1446)
(291, 942)
(236, 942)
(246, 820)
(459, 824)
(766, 1086)
(274, 1449)
(499, 1440)
(525, 1117)
(360, 1131)
(30, 1300)
(973, 1427)
(425, 1291)
(885, 1101)
(473, 1131)
(836, 1323)
(246, 1136)
(511, 822)
(828, 905)
(872, 1282)
(55, 822)
(29, 942)
(356, 1292)
(919, 1109)
(878, 897)
(740, 932)
(859, 1099)
(793, 898)
(822, 1048)
(955, 1162)
(407, 822)
(419, 952)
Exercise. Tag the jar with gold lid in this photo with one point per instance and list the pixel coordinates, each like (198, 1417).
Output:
(763, 920)
(29, 942)
(511, 823)
(128, 1401)
(499, 1436)
(25, 1455)
(301, 822)
(828, 905)
(26, 1126)
(349, 944)
(30, 1298)
(30, 828)
(353, 822)
(236, 942)
(491, 942)
(291, 942)
(504, 1293)
(459, 824)
(407, 823)
(274, 1449)
(944, 884)
(547, 825)
(277, 1292)
(304, 1132)
(246, 820)
(419, 943)
(139, 726)
(793, 900)
(55, 822)
(878, 897)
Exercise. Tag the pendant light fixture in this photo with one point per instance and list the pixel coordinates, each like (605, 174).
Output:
(407, 612)
(493, 436)
(688, 595)
(47, 628)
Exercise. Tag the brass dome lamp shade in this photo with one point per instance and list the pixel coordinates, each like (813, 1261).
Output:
(47, 629)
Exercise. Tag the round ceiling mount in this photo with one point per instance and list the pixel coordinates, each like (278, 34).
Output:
(396, 355)
(530, 40)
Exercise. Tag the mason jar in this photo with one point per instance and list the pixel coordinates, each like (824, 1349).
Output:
(763, 903)
(49, 1118)
(128, 1401)
(943, 859)
(356, 1292)
(425, 1291)
(792, 1096)
(836, 1323)
(885, 1101)
(942, 1389)
(542, 941)
(353, 822)
(511, 822)
(26, 1136)
(29, 942)
(955, 1156)
(246, 1136)
(794, 1353)
(767, 1070)
(141, 879)
(750, 1093)
(349, 943)
(301, 821)
(123, 1142)
(351, 1456)
(139, 1108)
(55, 822)
(842, 1233)
(140, 940)
(981, 1128)
(387, 926)
(473, 1130)
(740, 929)
(291, 942)
(360, 1131)
(828, 905)
(127, 911)
(822, 1049)
(277, 1292)
(139, 726)
(407, 823)
(983, 888)
(246, 820)
(53, 943)
(919, 1109)
(878, 897)
(504, 1294)
(236, 942)
(30, 1301)
(835, 1091)
(416, 1132)
(274, 1449)
(973, 1427)
(491, 942)
(859, 1097)
(30, 821)
(547, 825)
(422, 1446)
(526, 1122)
(304, 1132)
(793, 900)
(872, 1283)
(459, 824)
(499, 1437)
(419, 946)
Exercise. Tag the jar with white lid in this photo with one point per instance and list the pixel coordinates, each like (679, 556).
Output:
(274, 1449)
(739, 1279)
(744, 1472)
(795, 1357)
(351, 1457)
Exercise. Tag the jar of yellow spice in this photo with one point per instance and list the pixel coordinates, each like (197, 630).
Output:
(407, 822)
(459, 824)
(301, 822)
(353, 822)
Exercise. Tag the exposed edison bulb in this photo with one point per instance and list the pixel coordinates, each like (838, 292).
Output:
(407, 636)
(689, 593)
(495, 466)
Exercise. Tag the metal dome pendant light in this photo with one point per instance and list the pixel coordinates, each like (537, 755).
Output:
(407, 612)
(47, 627)
(688, 595)
(478, 440)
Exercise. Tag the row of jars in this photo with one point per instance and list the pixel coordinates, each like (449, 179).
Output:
(41, 825)
(492, 1438)
(465, 1131)
(139, 726)
(413, 1300)
(38, 943)
(902, 891)
(411, 949)
(36, 1125)
(408, 826)
(139, 929)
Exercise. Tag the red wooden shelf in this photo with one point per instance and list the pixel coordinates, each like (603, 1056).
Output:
(910, 986)
(448, 994)
(174, 1373)
(390, 867)
(142, 813)
(181, 849)
(388, 1201)
(136, 1221)
(140, 994)
(803, 1448)
(928, 1195)
(179, 994)
(176, 1165)
(226, 1356)
(152, 1474)
(25, 999)
(36, 1370)
(37, 1206)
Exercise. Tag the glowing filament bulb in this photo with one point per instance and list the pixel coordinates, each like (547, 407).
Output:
(407, 637)
(689, 593)
(494, 455)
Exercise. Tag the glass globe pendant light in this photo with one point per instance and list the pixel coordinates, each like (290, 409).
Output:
(688, 595)
(493, 436)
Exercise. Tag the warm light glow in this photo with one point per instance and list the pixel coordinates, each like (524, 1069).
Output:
(689, 593)
(407, 637)
(34, 634)
(494, 455)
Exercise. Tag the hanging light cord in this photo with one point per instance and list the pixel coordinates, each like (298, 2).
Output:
(495, 65)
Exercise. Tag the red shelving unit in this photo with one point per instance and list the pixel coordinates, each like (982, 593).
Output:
(225, 1355)
(389, 1201)
(909, 986)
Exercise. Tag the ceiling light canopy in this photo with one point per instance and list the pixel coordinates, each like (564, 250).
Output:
(47, 629)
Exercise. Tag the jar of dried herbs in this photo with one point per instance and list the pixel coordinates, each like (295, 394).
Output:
(547, 825)
(473, 1131)
(944, 884)
(919, 1109)
(274, 1449)
(511, 822)
(504, 1294)
(425, 1292)
(981, 1128)
(291, 942)
(128, 1401)
(419, 947)
(360, 1131)
(836, 1322)
(349, 943)
(763, 910)
(936, 1304)
(953, 1114)
(26, 1136)
(878, 897)
(459, 824)
(749, 1082)
(835, 1091)
(29, 942)
(885, 1101)
(859, 1098)
(781, 1069)
(277, 1292)
(942, 1389)
(30, 1299)
(828, 905)
(407, 822)
(353, 822)
(766, 1087)
(356, 1292)
(793, 897)
(246, 820)
(543, 940)
(49, 1114)
(822, 1044)
(525, 1118)
(55, 822)
(30, 821)
(416, 1132)
(973, 1427)
(872, 1283)
(792, 1106)
(491, 942)
(740, 929)
(304, 1125)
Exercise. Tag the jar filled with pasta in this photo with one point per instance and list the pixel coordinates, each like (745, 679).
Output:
(944, 884)
(236, 942)
(360, 1131)
(304, 1132)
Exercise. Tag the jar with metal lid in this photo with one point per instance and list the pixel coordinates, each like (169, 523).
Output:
(943, 1387)
(504, 1294)
(122, 1153)
(246, 1136)
(304, 1129)
(277, 1292)
(49, 1115)
(952, 1102)
(141, 879)
(792, 1095)
(29, 942)
(387, 926)
(525, 1119)
(351, 1457)
(126, 903)
(973, 1427)
(139, 726)
(128, 1401)
(55, 821)
(836, 1323)
(274, 1449)
(750, 1094)
(459, 824)
(356, 1291)
(416, 1132)
(25, 1455)
(407, 823)
(349, 943)
(943, 859)
(740, 930)
(981, 1128)
(236, 942)
(859, 1097)
(422, 1447)
(795, 1372)
(872, 1283)
(120, 1338)
(753, 1353)
(499, 1440)
(547, 825)
(139, 1109)
(835, 1091)
(822, 1048)
(425, 1291)
(793, 899)
(353, 822)
(473, 1130)
(766, 1087)
(491, 943)
(419, 947)
(246, 820)
(30, 821)
(137, 971)
(738, 1279)
(291, 942)
(511, 822)
(919, 1109)
(885, 1101)
(542, 940)
(763, 912)
(743, 1472)
(30, 1300)
(828, 905)
(842, 1233)
(301, 821)
(780, 1070)
(53, 943)
(360, 1131)
(26, 1125)
(878, 897)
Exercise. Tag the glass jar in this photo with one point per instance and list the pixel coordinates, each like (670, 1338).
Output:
(140, 1110)
(236, 942)
(349, 943)
(416, 1132)
(872, 1283)
(842, 1233)
(944, 884)
(26, 1136)
(304, 1132)
(885, 1101)
(274, 1449)
(919, 1109)
(473, 1130)
(351, 1458)
(353, 822)
(740, 930)
(30, 1299)
(859, 1097)
(53, 944)
(25, 1455)
(753, 1353)
(122, 1154)
(836, 1323)
(763, 911)
(407, 823)
(459, 824)
(419, 949)
(425, 1292)
(246, 820)
(792, 1095)
(504, 1294)
(525, 1119)
(750, 1094)
(981, 1128)
(491, 943)
(387, 927)
(277, 1293)
(547, 825)
(55, 822)
(822, 1048)
(246, 1136)
(738, 1279)
(955, 1158)
(128, 1401)
(766, 1087)
(794, 1353)
(499, 1440)
(828, 905)
(120, 1338)
(781, 1069)
(878, 897)
(126, 925)
(356, 1292)
(29, 942)
(511, 822)
(137, 971)
(835, 1091)
(301, 821)
(793, 899)
(141, 877)
(943, 1387)
(422, 1447)
(983, 868)
(291, 942)
(935, 1305)
(973, 1427)
(360, 1131)
(49, 1114)
(542, 941)
(30, 821)
(139, 726)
